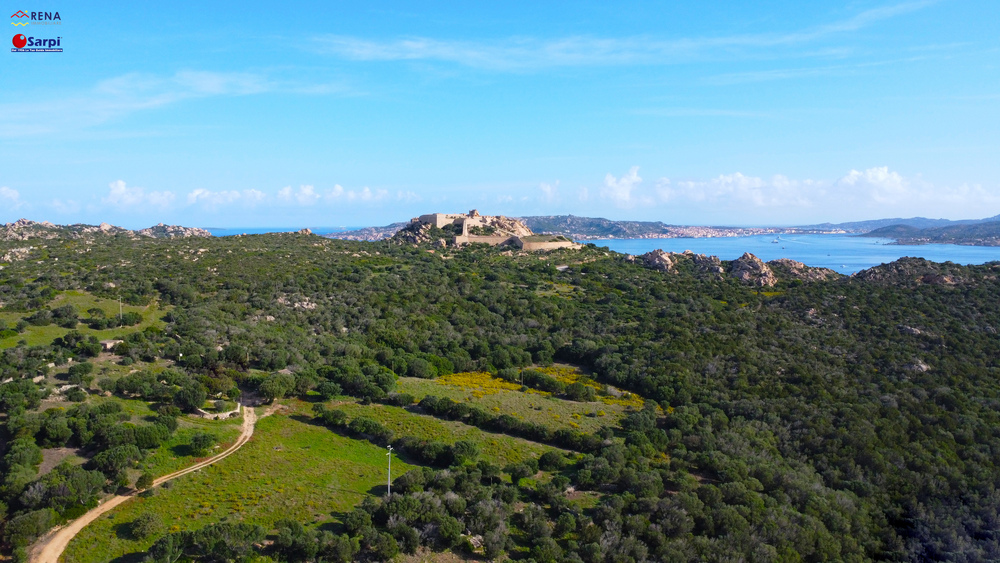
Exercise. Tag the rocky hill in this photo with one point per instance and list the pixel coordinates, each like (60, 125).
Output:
(582, 228)
(748, 268)
(976, 234)
(908, 272)
(915, 222)
(445, 226)
(23, 229)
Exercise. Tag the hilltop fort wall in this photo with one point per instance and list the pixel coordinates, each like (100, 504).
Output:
(494, 230)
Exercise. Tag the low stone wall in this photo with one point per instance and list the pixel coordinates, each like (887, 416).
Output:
(491, 240)
(218, 415)
(549, 245)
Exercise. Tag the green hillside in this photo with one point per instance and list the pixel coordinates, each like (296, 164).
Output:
(599, 411)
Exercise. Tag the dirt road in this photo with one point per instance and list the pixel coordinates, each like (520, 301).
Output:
(51, 546)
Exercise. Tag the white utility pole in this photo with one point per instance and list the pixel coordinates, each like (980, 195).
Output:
(121, 318)
(388, 487)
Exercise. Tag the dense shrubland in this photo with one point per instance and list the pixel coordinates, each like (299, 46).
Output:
(846, 420)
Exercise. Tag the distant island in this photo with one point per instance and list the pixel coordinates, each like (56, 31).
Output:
(975, 234)
(914, 230)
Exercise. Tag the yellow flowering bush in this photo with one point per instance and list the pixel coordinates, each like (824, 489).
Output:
(478, 383)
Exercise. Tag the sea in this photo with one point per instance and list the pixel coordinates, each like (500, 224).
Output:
(842, 253)
(231, 231)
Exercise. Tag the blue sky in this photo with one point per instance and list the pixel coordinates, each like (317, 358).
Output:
(325, 114)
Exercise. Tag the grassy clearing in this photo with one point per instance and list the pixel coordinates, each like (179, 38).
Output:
(39, 335)
(609, 394)
(553, 289)
(173, 454)
(501, 397)
(496, 448)
(289, 469)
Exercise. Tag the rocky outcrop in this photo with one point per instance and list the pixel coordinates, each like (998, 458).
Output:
(172, 231)
(23, 229)
(750, 269)
(658, 260)
(681, 261)
(915, 271)
(15, 254)
(785, 269)
(414, 233)
(705, 264)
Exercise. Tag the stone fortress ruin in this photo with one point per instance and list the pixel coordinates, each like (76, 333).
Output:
(494, 230)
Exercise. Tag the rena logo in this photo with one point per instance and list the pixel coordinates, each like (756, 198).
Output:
(20, 41)
(37, 18)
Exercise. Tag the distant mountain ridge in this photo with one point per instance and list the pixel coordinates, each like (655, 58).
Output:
(975, 234)
(917, 222)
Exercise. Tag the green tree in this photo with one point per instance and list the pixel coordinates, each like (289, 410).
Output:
(201, 442)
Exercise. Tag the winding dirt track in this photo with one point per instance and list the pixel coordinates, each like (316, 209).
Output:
(51, 546)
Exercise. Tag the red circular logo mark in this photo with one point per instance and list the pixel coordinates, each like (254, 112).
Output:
(20, 41)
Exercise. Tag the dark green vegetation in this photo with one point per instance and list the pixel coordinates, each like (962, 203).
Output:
(847, 420)
(979, 234)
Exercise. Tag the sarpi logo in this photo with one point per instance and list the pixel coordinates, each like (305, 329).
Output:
(23, 18)
(23, 44)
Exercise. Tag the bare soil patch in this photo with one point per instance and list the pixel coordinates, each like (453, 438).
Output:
(52, 457)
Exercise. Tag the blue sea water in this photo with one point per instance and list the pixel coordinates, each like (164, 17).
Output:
(228, 232)
(843, 253)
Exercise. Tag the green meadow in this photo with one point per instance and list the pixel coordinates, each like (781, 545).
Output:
(289, 469)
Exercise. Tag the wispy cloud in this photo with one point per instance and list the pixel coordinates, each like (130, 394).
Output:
(620, 190)
(124, 197)
(550, 192)
(11, 198)
(65, 206)
(732, 78)
(877, 190)
(212, 199)
(703, 112)
(126, 94)
(525, 53)
(307, 195)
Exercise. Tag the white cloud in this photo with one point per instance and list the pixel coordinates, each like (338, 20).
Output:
(125, 197)
(308, 195)
(521, 53)
(407, 196)
(11, 198)
(880, 184)
(365, 195)
(737, 188)
(619, 190)
(65, 207)
(305, 195)
(584, 194)
(859, 194)
(550, 192)
(211, 199)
